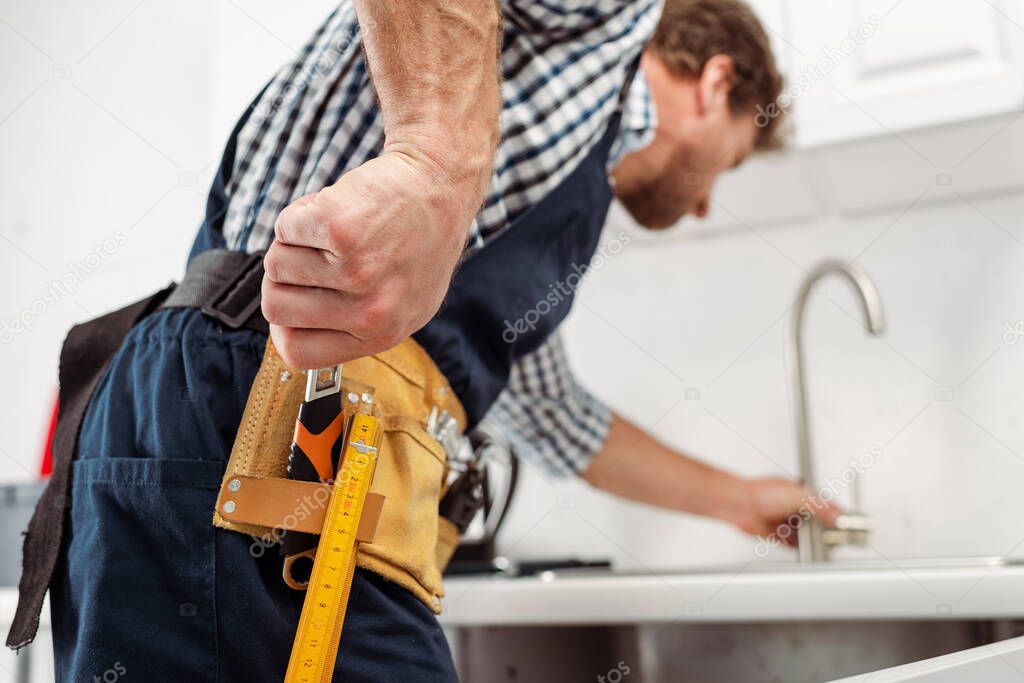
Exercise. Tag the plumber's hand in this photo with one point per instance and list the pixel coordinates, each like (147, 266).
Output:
(360, 265)
(771, 504)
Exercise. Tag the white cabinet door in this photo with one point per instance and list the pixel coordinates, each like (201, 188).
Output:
(863, 68)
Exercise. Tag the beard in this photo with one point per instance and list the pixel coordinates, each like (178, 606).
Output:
(658, 202)
(657, 195)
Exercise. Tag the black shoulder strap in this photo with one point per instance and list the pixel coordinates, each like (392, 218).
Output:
(87, 350)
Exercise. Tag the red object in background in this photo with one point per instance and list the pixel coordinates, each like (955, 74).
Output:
(46, 467)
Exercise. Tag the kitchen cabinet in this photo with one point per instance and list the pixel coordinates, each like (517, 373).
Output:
(867, 68)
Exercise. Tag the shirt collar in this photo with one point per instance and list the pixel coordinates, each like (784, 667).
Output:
(639, 119)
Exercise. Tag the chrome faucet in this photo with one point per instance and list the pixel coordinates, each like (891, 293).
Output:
(815, 542)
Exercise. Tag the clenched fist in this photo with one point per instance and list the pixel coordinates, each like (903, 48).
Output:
(362, 264)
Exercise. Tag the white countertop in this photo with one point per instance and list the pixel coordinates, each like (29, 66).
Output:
(921, 590)
(924, 590)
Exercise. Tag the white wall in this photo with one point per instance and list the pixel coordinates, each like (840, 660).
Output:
(112, 120)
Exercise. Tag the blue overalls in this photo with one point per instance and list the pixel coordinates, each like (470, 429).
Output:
(147, 585)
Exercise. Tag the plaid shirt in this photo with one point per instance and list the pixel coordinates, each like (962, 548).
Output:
(564, 63)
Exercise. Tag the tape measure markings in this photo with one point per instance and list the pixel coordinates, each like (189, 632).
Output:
(323, 612)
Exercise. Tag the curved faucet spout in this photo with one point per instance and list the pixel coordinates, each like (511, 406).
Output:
(812, 547)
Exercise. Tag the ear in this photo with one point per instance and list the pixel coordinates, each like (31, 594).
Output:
(714, 85)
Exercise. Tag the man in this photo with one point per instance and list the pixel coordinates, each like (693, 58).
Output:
(361, 169)
(690, 116)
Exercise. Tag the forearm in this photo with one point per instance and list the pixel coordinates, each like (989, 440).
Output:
(634, 465)
(434, 65)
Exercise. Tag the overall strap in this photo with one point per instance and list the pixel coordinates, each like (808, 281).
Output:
(510, 295)
(87, 350)
(225, 285)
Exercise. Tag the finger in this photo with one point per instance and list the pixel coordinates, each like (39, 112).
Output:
(783, 531)
(309, 267)
(314, 308)
(304, 223)
(827, 513)
(824, 511)
(311, 349)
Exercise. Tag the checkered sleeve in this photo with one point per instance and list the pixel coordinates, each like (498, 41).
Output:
(563, 65)
(550, 420)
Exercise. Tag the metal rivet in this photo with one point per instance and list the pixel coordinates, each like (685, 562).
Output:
(229, 506)
(353, 397)
(367, 398)
(234, 484)
(285, 375)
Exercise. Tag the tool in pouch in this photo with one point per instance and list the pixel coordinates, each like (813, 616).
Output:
(335, 433)
(464, 496)
(315, 451)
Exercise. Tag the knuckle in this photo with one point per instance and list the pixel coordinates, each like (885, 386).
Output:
(332, 262)
(284, 342)
(355, 281)
(377, 319)
(290, 348)
(270, 302)
(362, 278)
(285, 223)
(272, 263)
(336, 229)
(338, 237)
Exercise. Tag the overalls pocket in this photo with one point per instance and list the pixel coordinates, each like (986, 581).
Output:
(136, 593)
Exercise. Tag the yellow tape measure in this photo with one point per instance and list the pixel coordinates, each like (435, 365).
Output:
(323, 612)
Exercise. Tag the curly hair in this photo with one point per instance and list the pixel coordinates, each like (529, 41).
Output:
(693, 31)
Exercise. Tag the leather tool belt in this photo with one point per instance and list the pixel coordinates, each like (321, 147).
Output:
(406, 541)
(412, 543)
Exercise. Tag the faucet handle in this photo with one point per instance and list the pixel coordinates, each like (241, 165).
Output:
(852, 528)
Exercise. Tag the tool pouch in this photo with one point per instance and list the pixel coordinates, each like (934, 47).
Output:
(410, 544)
